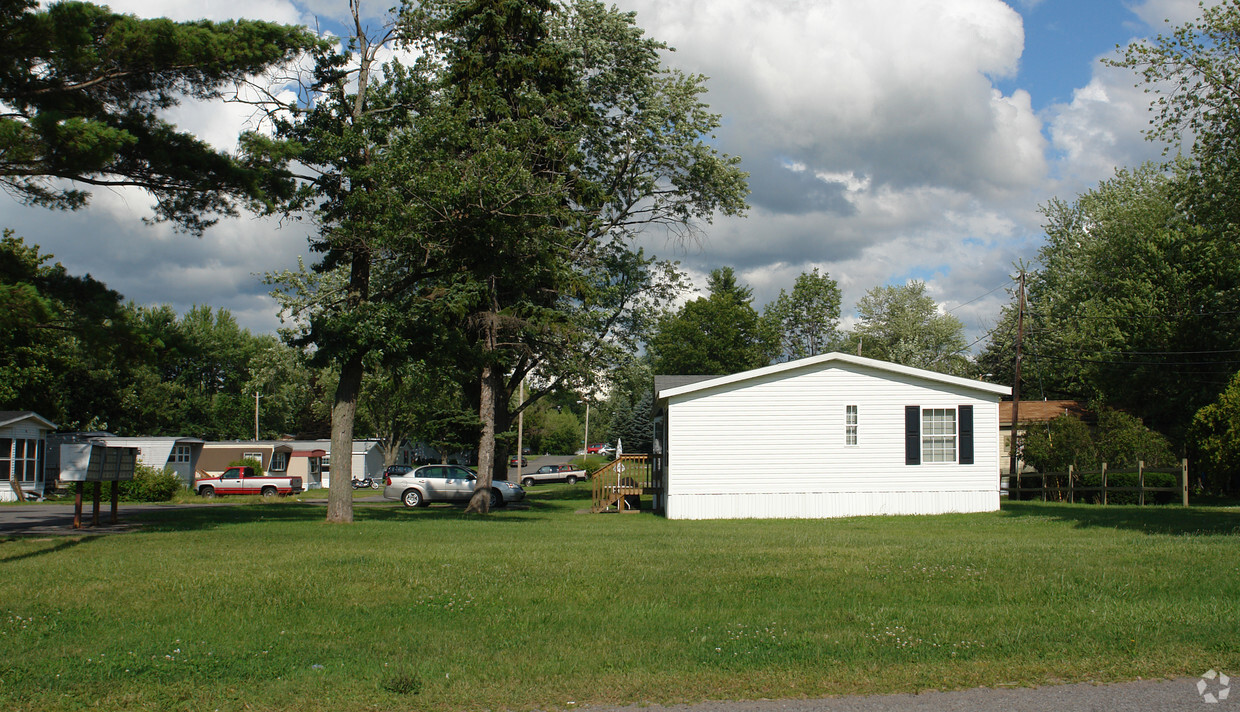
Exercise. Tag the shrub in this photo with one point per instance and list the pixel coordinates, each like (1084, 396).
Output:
(150, 485)
(1118, 439)
(1214, 441)
(249, 462)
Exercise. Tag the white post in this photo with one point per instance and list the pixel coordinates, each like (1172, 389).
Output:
(585, 446)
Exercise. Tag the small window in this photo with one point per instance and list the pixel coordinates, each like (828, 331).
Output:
(316, 465)
(850, 425)
(180, 453)
(279, 462)
(6, 455)
(252, 456)
(938, 435)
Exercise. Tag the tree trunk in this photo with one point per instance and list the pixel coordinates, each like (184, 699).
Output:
(492, 389)
(340, 491)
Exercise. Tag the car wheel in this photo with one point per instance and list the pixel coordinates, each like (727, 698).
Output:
(207, 492)
(571, 479)
(497, 499)
(376, 484)
(528, 482)
(412, 498)
(270, 492)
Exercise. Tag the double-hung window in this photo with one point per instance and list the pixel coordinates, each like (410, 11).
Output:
(180, 453)
(279, 461)
(850, 425)
(938, 435)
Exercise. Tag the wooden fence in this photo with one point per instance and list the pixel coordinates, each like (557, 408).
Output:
(1067, 485)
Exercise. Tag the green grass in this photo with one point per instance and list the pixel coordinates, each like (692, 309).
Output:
(266, 607)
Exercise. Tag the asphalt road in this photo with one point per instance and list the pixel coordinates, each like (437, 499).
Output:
(1139, 696)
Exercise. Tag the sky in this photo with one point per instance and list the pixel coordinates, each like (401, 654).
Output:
(885, 140)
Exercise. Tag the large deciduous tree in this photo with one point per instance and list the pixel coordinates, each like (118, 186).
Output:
(83, 90)
(1132, 303)
(807, 319)
(718, 334)
(903, 324)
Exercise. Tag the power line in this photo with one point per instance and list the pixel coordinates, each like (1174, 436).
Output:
(974, 299)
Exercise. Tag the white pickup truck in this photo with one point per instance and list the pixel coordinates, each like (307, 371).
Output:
(554, 473)
(243, 480)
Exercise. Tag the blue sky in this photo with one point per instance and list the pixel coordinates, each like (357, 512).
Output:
(1063, 39)
(886, 140)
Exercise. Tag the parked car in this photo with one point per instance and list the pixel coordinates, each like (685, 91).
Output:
(512, 461)
(396, 470)
(554, 473)
(600, 449)
(445, 483)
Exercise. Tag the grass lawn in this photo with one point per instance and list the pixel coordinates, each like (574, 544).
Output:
(266, 607)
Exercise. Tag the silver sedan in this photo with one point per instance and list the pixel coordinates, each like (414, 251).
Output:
(445, 483)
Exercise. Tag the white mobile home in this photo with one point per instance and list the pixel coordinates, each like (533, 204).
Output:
(164, 453)
(23, 447)
(827, 436)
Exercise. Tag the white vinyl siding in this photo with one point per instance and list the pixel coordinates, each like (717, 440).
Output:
(938, 435)
(850, 425)
(755, 447)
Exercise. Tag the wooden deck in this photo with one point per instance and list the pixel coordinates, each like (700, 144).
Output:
(620, 485)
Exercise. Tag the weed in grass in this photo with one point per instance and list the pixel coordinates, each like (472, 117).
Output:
(403, 683)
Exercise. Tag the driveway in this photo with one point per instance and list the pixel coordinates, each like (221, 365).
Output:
(50, 518)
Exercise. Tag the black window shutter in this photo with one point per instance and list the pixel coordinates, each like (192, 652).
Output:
(965, 417)
(912, 435)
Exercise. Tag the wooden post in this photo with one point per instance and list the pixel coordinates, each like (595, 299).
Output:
(116, 498)
(1104, 483)
(1184, 480)
(77, 506)
(1141, 482)
(97, 495)
(1071, 491)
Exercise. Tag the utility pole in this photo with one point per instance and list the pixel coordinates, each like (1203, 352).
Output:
(1013, 460)
(255, 416)
(520, 429)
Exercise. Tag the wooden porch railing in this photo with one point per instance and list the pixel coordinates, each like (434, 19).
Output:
(619, 485)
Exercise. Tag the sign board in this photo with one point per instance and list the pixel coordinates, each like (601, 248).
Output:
(96, 462)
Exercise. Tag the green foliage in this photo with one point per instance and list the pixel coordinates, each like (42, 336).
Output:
(1053, 446)
(1119, 439)
(559, 433)
(807, 319)
(1214, 441)
(902, 324)
(635, 427)
(1133, 304)
(249, 462)
(718, 334)
(70, 346)
(150, 484)
(83, 89)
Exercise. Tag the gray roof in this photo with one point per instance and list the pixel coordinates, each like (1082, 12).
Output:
(663, 383)
(8, 417)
